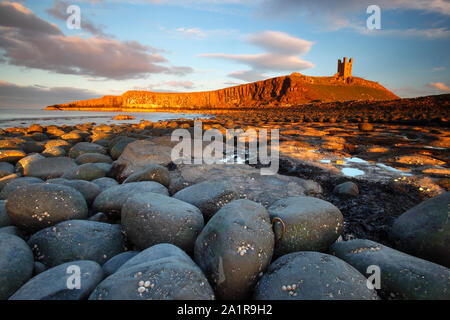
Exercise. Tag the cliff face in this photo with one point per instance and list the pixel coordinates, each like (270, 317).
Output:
(295, 89)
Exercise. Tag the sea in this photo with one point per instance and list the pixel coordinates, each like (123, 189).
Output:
(22, 117)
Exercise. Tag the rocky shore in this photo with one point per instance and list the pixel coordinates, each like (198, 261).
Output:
(107, 200)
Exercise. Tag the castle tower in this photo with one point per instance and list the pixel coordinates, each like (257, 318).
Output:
(345, 68)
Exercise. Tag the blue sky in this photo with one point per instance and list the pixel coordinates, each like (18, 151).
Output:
(197, 45)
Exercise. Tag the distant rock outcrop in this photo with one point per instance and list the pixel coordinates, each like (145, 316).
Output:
(295, 89)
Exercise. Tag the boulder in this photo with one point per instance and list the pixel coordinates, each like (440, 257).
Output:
(208, 196)
(16, 264)
(153, 172)
(85, 147)
(151, 218)
(23, 164)
(311, 275)
(93, 158)
(37, 206)
(247, 181)
(118, 145)
(140, 154)
(347, 188)
(105, 183)
(169, 277)
(402, 276)
(11, 156)
(49, 168)
(113, 264)
(112, 199)
(17, 184)
(55, 283)
(76, 240)
(234, 247)
(54, 152)
(89, 190)
(88, 172)
(6, 169)
(424, 230)
(5, 221)
(310, 224)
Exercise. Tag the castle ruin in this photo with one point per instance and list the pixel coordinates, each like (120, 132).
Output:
(345, 68)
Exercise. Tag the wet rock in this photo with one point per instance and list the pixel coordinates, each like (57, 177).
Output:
(17, 184)
(89, 190)
(312, 276)
(234, 247)
(248, 181)
(208, 196)
(112, 199)
(12, 230)
(100, 217)
(54, 152)
(173, 277)
(113, 264)
(72, 137)
(39, 268)
(365, 126)
(49, 168)
(93, 158)
(11, 156)
(37, 206)
(140, 154)
(402, 276)
(151, 218)
(76, 240)
(6, 169)
(117, 147)
(158, 251)
(85, 147)
(58, 143)
(153, 172)
(23, 164)
(105, 183)
(311, 224)
(88, 172)
(347, 188)
(16, 264)
(33, 147)
(52, 284)
(4, 218)
(424, 230)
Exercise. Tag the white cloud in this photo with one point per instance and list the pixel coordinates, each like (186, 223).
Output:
(440, 86)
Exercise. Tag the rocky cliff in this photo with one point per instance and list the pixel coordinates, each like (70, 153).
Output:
(295, 89)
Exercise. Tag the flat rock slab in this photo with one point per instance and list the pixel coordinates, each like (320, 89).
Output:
(247, 181)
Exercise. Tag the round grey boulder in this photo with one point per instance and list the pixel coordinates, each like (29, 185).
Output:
(37, 206)
(172, 277)
(234, 247)
(5, 221)
(89, 190)
(23, 164)
(17, 184)
(105, 183)
(76, 240)
(16, 264)
(347, 188)
(59, 283)
(424, 230)
(311, 224)
(85, 147)
(49, 168)
(153, 172)
(112, 199)
(113, 264)
(402, 276)
(6, 169)
(88, 172)
(93, 158)
(208, 196)
(151, 218)
(311, 275)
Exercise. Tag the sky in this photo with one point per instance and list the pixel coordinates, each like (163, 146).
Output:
(199, 45)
